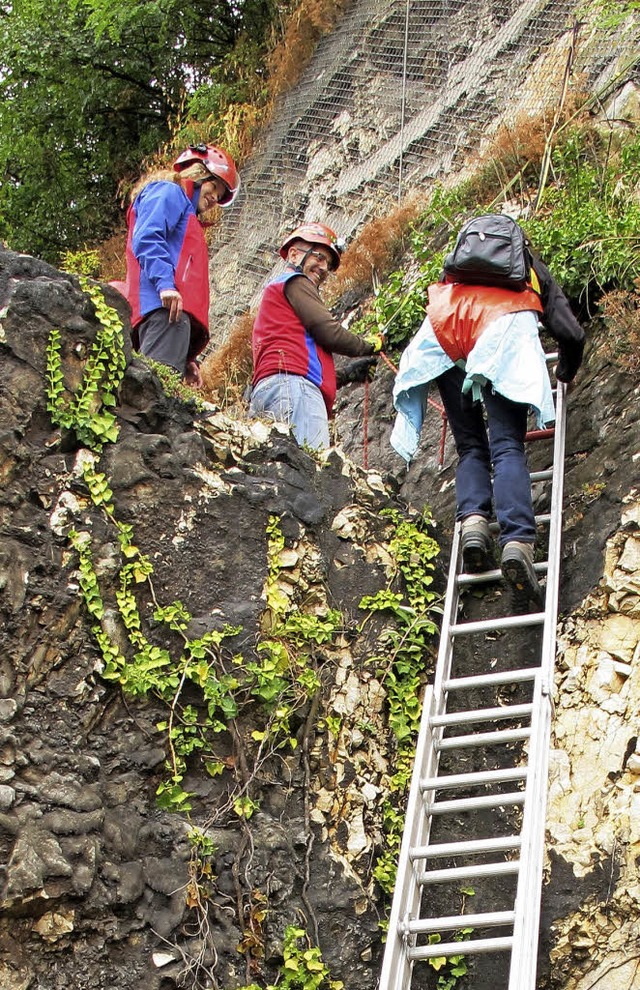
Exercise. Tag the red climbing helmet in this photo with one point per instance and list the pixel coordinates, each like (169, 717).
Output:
(217, 162)
(316, 233)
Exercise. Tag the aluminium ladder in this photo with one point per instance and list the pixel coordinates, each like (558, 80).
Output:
(506, 848)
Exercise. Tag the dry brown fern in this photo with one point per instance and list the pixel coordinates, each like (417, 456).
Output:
(621, 315)
(376, 249)
(227, 371)
(309, 22)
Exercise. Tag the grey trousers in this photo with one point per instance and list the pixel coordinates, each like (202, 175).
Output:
(165, 342)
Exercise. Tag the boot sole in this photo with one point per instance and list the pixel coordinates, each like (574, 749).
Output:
(476, 556)
(525, 594)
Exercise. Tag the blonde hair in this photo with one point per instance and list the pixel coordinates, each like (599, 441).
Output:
(196, 173)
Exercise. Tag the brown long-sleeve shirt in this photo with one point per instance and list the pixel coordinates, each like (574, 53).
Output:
(305, 301)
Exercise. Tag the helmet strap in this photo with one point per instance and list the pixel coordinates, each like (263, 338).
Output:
(300, 266)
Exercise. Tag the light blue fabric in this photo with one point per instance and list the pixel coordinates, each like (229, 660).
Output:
(422, 360)
(509, 355)
(293, 400)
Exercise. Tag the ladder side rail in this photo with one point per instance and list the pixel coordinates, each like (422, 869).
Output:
(445, 649)
(396, 964)
(555, 542)
(528, 895)
(522, 973)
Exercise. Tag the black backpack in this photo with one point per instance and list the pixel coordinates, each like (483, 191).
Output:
(490, 250)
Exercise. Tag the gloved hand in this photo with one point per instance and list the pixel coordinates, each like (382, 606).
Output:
(192, 374)
(357, 371)
(568, 363)
(376, 340)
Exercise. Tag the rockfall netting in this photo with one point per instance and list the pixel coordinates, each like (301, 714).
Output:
(398, 97)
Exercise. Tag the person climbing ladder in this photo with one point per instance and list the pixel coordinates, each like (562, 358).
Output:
(479, 343)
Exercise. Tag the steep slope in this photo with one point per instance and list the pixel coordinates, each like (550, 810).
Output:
(245, 535)
(103, 888)
(399, 97)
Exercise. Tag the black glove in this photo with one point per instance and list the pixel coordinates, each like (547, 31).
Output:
(568, 363)
(357, 371)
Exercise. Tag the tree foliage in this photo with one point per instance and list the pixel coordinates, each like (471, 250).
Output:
(88, 89)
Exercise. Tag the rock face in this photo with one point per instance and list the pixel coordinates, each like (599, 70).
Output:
(100, 886)
(399, 97)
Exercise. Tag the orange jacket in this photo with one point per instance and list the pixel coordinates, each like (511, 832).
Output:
(459, 314)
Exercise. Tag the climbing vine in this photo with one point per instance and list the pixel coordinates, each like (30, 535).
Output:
(405, 645)
(89, 412)
(151, 669)
(302, 966)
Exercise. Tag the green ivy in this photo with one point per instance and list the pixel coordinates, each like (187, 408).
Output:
(88, 412)
(400, 302)
(302, 967)
(152, 669)
(83, 262)
(172, 382)
(284, 678)
(455, 967)
(406, 643)
(589, 233)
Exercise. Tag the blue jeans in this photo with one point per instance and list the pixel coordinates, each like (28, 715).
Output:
(503, 450)
(293, 400)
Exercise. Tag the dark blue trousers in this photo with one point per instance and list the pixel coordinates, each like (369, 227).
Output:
(501, 452)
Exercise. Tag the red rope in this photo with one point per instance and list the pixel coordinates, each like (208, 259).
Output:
(390, 363)
(365, 426)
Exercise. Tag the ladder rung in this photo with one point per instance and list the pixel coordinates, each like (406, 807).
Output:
(543, 519)
(489, 625)
(540, 434)
(484, 680)
(474, 803)
(464, 579)
(473, 779)
(542, 475)
(469, 872)
(481, 715)
(423, 926)
(484, 577)
(482, 739)
(477, 946)
(470, 847)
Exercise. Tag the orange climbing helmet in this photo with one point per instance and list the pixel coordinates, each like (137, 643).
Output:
(316, 233)
(217, 162)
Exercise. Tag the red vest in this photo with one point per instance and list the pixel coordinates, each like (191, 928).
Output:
(459, 314)
(282, 344)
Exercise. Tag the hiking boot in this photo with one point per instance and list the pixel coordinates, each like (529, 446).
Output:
(518, 572)
(476, 545)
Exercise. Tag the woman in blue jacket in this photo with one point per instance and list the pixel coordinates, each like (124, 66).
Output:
(167, 282)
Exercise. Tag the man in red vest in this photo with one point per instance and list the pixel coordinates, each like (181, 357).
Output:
(295, 337)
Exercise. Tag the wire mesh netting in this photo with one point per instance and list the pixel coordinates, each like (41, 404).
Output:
(399, 97)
